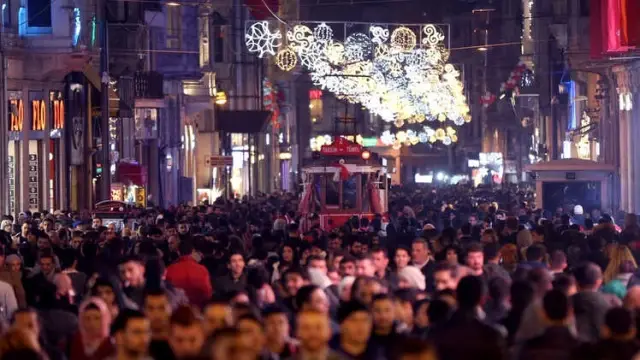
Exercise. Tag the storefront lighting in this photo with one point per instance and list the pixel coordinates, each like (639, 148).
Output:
(366, 155)
(285, 156)
(423, 179)
(221, 98)
(172, 3)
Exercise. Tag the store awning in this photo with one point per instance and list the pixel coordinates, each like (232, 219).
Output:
(242, 121)
(131, 173)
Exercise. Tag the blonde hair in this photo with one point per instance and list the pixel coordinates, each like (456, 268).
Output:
(524, 239)
(617, 255)
(509, 254)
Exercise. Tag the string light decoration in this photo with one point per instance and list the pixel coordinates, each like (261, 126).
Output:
(399, 75)
(421, 135)
(286, 59)
(260, 39)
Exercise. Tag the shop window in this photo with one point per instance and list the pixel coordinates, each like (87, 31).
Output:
(174, 24)
(146, 123)
(315, 105)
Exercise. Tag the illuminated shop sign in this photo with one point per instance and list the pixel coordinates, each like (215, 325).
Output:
(39, 115)
(57, 118)
(16, 115)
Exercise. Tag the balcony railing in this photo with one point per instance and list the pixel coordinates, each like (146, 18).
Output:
(148, 85)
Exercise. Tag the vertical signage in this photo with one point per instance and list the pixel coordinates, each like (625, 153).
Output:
(57, 114)
(11, 175)
(34, 196)
(39, 115)
(16, 115)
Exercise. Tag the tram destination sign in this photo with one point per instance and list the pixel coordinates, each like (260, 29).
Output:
(341, 147)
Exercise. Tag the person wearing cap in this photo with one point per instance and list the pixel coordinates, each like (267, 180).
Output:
(13, 278)
(356, 324)
(578, 215)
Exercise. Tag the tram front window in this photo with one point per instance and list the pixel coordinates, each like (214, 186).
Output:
(332, 192)
(349, 193)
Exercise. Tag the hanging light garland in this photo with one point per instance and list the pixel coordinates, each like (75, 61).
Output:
(395, 75)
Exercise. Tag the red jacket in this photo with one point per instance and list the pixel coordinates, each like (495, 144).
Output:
(191, 277)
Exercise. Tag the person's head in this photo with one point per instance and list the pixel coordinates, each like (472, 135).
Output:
(475, 258)
(420, 253)
(217, 315)
(537, 234)
(132, 333)
(294, 279)
(402, 258)
(187, 334)
(383, 310)
(24, 229)
(365, 266)
(470, 292)
(311, 297)
(13, 263)
(317, 262)
(535, 253)
(445, 276)
(104, 290)
(287, 254)
(556, 307)
(276, 324)
(565, 283)
(588, 276)
(355, 323)
(348, 266)
(183, 228)
(541, 280)
(132, 272)
(236, 264)
(365, 288)
(411, 277)
(47, 264)
(185, 248)
(489, 236)
(619, 324)
(27, 319)
(96, 223)
(380, 259)
(158, 310)
(558, 261)
(313, 330)
(94, 318)
(252, 338)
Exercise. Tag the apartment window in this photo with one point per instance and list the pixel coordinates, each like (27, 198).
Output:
(39, 13)
(174, 26)
(218, 43)
(203, 33)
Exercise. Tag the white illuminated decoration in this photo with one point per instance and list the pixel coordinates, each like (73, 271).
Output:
(423, 135)
(401, 75)
(261, 40)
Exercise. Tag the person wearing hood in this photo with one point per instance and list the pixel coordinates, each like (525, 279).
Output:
(92, 342)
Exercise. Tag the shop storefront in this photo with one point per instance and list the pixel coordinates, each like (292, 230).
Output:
(35, 152)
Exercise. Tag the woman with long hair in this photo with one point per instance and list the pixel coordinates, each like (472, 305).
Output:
(402, 258)
(16, 340)
(618, 254)
(92, 342)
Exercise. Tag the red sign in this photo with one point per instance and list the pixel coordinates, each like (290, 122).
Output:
(219, 161)
(341, 147)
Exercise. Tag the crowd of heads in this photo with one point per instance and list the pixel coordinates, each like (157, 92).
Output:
(444, 274)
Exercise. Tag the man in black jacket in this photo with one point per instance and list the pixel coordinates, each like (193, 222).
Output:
(481, 341)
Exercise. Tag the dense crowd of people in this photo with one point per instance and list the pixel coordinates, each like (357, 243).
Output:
(445, 274)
